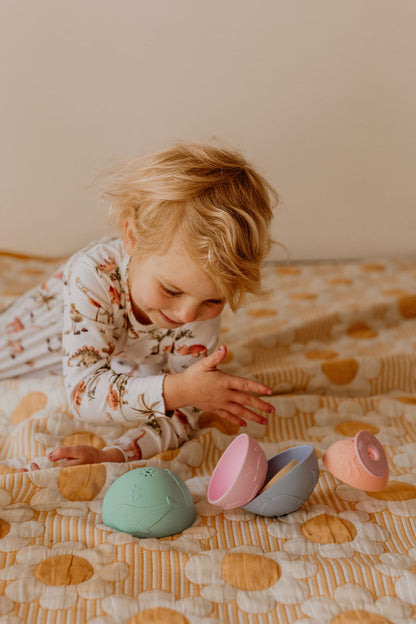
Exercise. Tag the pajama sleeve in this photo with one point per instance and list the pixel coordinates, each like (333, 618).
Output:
(96, 393)
(193, 342)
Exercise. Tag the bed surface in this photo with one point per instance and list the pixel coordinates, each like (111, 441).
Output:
(337, 342)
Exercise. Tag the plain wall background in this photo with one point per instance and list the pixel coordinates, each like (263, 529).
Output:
(320, 94)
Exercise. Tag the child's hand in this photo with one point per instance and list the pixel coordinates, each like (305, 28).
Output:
(81, 454)
(84, 454)
(208, 389)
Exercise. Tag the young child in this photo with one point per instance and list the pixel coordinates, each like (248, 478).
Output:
(132, 322)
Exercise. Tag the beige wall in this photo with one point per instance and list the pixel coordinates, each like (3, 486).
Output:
(319, 93)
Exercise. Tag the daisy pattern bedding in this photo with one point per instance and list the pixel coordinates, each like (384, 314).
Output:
(337, 343)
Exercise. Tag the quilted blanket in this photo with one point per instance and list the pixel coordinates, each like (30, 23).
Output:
(337, 343)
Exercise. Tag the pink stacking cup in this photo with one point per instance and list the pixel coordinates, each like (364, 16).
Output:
(239, 474)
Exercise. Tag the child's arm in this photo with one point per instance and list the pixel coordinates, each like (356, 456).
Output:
(203, 385)
(85, 454)
(94, 320)
(82, 454)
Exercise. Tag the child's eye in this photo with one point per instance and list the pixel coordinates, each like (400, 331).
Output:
(216, 301)
(171, 293)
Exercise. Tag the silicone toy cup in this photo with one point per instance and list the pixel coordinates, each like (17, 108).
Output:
(148, 502)
(290, 491)
(239, 474)
(240, 479)
(359, 461)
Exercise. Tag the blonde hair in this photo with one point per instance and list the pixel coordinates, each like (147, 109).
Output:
(211, 197)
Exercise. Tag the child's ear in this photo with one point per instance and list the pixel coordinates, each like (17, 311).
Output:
(129, 238)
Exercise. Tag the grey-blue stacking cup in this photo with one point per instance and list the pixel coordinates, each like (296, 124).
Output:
(290, 491)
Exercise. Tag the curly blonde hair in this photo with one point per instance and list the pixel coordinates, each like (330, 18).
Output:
(211, 197)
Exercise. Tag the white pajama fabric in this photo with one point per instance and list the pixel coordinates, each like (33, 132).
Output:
(80, 323)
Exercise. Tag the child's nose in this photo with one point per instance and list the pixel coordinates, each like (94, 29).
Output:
(189, 312)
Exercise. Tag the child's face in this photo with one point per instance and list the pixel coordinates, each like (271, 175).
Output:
(170, 290)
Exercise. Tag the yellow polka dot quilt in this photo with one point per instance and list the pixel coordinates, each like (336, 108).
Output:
(337, 343)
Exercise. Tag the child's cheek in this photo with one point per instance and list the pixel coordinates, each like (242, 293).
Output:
(159, 300)
(212, 312)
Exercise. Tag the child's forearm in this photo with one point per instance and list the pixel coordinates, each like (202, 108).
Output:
(174, 392)
(85, 454)
(112, 454)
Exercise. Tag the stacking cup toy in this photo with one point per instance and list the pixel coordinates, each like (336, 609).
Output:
(291, 478)
(148, 502)
(245, 478)
(239, 474)
(359, 461)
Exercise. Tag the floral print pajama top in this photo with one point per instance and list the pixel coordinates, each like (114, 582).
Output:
(80, 323)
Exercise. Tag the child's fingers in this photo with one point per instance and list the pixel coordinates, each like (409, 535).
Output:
(245, 413)
(231, 417)
(239, 415)
(72, 462)
(246, 385)
(249, 400)
(76, 455)
(63, 452)
(215, 359)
